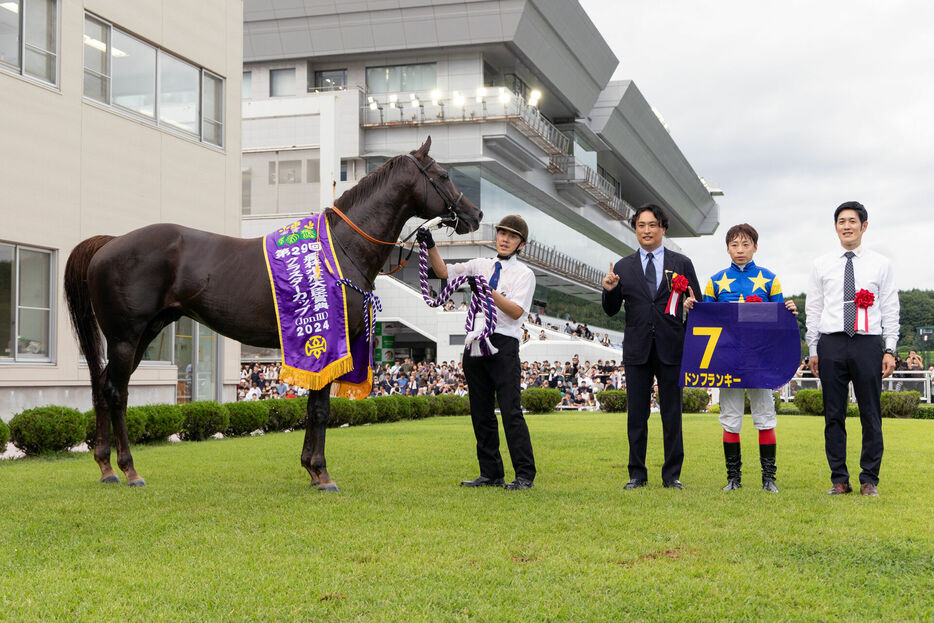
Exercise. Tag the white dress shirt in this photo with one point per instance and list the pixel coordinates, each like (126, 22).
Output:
(658, 258)
(516, 283)
(824, 303)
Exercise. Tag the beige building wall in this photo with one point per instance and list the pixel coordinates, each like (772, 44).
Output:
(71, 168)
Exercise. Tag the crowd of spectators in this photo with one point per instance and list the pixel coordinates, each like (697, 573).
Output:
(580, 330)
(578, 382)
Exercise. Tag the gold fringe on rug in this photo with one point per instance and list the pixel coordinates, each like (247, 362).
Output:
(316, 380)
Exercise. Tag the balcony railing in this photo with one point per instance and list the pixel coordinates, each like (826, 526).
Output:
(492, 104)
(567, 169)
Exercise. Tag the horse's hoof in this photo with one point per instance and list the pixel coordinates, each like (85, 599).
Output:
(111, 480)
(137, 483)
(315, 483)
(329, 487)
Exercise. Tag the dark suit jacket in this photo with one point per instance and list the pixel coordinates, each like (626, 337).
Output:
(646, 318)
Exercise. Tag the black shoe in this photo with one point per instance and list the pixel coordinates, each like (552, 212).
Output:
(673, 484)
(635, 483)
(519, 484)
(483, 481)
(733, 485)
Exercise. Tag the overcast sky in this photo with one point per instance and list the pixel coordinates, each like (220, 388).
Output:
(792, 108)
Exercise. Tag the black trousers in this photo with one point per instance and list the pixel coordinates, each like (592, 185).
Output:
(498, 376)
(842, 359)
(639, 387)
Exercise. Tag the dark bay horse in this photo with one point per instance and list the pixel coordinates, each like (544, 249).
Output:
(134, 285)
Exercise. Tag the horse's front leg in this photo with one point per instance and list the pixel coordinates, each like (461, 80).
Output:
(316, 422)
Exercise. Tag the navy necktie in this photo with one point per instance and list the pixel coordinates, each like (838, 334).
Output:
(650, 275)
(494, 280)
(849, 293)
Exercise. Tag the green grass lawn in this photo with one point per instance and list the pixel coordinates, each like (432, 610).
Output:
(230, 531)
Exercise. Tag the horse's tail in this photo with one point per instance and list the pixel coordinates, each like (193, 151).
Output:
(83, 320)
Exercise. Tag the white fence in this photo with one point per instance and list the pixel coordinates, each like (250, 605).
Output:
(900, 381)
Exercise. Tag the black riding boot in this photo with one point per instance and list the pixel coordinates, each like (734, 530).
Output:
(767, 458)
(734, 465)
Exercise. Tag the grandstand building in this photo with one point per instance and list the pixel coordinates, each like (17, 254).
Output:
(518, 100)
(115, 115)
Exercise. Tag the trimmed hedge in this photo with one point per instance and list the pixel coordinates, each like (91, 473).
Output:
(364, 413)
(810, 401)
(900, 404)
(285, 413)
(695, 399)
(341, 411)
(612, 400)
(387, 409)
(164, 421)
(540, 399)
(4, 435)
(247, 416)
(47, 429)
(420, 407)
(204, 419)
(925, 412)
(404, 406)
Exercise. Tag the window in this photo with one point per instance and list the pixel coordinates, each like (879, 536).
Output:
(96, 60)
(246, 197)
(330, 79)
(343, 170)
(129, 74)
(212, 109)
(134, 74)
(400, 78)
(289, 172)
(281, 82)
(247, 85)
(25, 303)
(178, 93)
(29, 38)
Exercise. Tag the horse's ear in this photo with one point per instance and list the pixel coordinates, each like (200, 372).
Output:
(422, 151)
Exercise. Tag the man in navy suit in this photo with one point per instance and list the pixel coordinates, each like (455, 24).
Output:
(653, 340)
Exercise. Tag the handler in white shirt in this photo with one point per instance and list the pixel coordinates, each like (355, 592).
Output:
(499, 375)
(846, 343)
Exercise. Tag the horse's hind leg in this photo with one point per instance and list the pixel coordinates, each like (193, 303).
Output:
(316, 422)
(115, 392)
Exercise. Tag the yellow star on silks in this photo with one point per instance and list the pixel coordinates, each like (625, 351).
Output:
(759, 282)
(724, 284)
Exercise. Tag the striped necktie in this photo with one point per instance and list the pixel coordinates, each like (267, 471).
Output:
(849, 294)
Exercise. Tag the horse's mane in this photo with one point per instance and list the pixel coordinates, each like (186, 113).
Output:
(369, 184)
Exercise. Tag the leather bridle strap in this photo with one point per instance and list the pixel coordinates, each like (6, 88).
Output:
(358, 230)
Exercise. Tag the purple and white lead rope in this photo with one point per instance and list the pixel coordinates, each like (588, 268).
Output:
(481, 303)
(370, 300)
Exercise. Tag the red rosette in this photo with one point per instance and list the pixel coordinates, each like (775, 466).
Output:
(752, 298)
(679, 284)
(864, 299)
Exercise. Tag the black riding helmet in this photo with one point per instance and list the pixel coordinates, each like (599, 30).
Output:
(516, 224)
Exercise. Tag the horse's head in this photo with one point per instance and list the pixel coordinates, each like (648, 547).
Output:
(439, 195)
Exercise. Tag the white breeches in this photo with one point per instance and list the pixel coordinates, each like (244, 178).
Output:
(732, 403)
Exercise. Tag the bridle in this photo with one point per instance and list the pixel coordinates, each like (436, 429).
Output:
(451, 219)
(450, 204)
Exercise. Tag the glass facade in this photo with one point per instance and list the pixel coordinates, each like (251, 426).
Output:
(401, 78)
(281, 82)
(29, 38)
(496, 202)
(125, 72)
